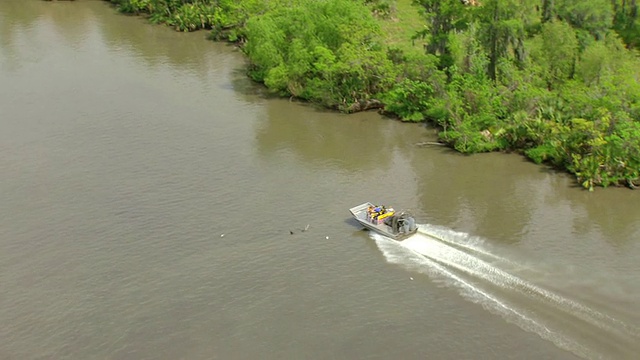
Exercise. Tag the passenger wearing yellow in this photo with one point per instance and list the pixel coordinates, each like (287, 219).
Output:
(376, 213)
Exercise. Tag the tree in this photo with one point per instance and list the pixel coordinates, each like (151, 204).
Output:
(556, 49)
(326, 51)
(503, 31)
(443, 17)
(548, 10)
(593, 16)
(626, 21)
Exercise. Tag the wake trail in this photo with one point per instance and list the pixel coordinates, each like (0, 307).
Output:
(444, 256)
(466, 242)
(473, 266)
(461, 240)
(440, 269)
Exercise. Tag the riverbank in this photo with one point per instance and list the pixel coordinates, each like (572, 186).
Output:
(561, 89)
(114, 182)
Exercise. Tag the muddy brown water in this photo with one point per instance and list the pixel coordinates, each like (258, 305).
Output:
(148, 191)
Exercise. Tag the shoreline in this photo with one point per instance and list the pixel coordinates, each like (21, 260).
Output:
(487, 111)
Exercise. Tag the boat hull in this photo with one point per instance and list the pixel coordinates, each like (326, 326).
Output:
(360, 214)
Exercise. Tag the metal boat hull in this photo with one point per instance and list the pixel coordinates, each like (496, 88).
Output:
(360, 214)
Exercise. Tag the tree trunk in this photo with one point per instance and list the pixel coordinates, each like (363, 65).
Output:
(548, 11)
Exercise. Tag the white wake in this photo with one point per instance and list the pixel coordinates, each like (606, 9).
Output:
(460, 260)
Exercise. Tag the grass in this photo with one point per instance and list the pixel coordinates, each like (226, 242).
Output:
(402, 23)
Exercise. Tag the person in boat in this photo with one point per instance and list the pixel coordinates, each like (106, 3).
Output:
(377, 211)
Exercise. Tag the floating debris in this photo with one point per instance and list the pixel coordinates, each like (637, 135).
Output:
(425, 143)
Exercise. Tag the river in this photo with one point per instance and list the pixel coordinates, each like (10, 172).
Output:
(149, 190)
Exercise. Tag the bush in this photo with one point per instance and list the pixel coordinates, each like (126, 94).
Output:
(325, 51)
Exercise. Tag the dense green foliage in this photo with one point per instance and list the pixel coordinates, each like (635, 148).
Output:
(558, 80)
(326, 51)
(333, 52)
(550, 78)
(226, 18)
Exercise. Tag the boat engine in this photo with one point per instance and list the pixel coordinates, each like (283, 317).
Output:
(401, 223)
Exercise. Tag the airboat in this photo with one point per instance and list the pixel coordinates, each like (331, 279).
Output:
(385, 221)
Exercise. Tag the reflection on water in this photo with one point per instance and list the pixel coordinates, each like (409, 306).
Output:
(614, 211)
(360, 142)
(477, 192)
(144, 145)
(154, 44)
(62, 19)
(158, 44)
